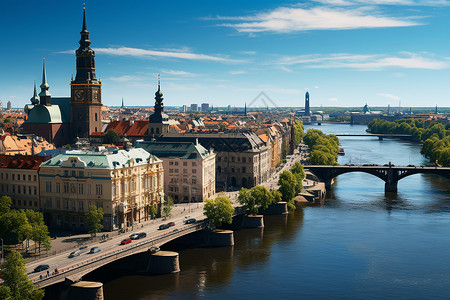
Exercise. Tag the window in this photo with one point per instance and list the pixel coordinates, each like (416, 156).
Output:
(243, 159)
(58, 203)
(243, 170)
(232, 159)
(73, 205)
(48, 202)
(176, 163)
(81, 174)
(48, 187)
(194, 190)
(29, 177)
(1, 175)
(219, 158)
(194, 163)
(66, 204)
(58, 187)
(99, 189)
(66, 173)
(176, 170)
(96, 119)
(24, 177)
(66, 188)
(89, 189)
(184, 163)
(170, 163)
(35, 190)
(185, 180)
(80, 188)
(194, 181)
(24, 190)
(184, 171)
(194, 171)
(13, 177)
(185, 189)
(73, 174)
(34, 177)
(170, 170)
(80, 206)
(99, 204)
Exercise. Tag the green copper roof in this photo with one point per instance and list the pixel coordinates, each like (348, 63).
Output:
(180, 150)
(44, 114)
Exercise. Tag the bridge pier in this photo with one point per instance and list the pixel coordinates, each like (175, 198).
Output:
(391, 187)
(380, 138)
(164, 262)
(220, 238)
(253, 221)
(88, 290)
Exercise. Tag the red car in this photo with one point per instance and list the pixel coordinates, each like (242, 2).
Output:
(125, 241)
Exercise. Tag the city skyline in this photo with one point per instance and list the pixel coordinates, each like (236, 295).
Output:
(346, 53)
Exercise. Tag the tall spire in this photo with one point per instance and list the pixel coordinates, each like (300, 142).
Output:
(122, 103)
(35, 99)
(44, 95)
(84, 29)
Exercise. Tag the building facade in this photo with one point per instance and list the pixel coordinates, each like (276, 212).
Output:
(124, 183)
(19, 179)
(189, 169)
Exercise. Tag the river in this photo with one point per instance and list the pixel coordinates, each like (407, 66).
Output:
(360, 244)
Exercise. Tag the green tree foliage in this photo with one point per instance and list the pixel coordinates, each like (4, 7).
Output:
(324, 148)
(255, 198)
(219, 210)
(167, 207)
(152, 211)
(94, 218)
(16, 284)
(111, 137)
(287, 184)
(299, 175)
(299, 132)
(277, 197)
(434, 136)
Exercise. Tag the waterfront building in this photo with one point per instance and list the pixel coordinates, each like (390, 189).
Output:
(242, 158)
(205, 107)
(19, 179)
(124, 183)
(189, 169)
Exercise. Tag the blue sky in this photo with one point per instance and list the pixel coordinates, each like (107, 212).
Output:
(345, 52)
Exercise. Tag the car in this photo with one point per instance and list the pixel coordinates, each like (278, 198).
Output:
(95, 250)
(142, 235)
(74, 253)
(163, 226)
(41, 268)
(125, 241)
(171, 224)
(190, 221)
(134, 236)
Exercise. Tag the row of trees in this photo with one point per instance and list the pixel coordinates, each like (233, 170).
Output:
(22, 226)
(324, 148)
(290, 184)
(258, 197)
(434, 136)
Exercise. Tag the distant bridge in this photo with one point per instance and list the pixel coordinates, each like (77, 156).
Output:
(390, 174)
(379, 135)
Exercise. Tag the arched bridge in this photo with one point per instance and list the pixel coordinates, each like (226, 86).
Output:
(390, 174)
(79, 269)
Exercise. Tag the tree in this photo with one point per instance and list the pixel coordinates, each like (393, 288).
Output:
(168, 206)
(277, 197)
(94, 218)
(40, 235)
(219, 210)
(255, 198)
(152, 211)
(16, 284)
(287, 185)
(5, 204)
(111, 137)
(297, 168)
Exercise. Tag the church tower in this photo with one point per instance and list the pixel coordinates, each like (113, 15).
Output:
(85, 91)
(158, 122)
(307, 110)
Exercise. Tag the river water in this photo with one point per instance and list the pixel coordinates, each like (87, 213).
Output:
(360, 244)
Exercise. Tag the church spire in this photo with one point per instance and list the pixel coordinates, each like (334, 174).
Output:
(159, 106)
(35, 99)
(44, 95)
(84, 29)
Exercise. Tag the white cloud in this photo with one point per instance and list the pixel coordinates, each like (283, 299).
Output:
(237, 72)
(285, 69)
(404, 60)
(316, 87)
(248, 52)
(174, 53)
(390, 96)
(333, 99)
(178, 73)
(126, 78)
(293, 19)
(385, 2)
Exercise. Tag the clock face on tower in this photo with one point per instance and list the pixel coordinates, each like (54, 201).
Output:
(95, 95)
(79, 95)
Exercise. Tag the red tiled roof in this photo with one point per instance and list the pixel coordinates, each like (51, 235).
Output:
(31, 162)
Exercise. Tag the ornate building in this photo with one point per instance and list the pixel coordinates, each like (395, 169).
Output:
(158, 122)
(62, 120)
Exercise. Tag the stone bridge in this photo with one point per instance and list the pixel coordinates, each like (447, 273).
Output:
(77, 270)
(390, 174)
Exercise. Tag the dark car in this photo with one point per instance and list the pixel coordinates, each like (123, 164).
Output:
(134, 236)
(95, 250)
(74, 253)
(190, 221)
(163, 226)
(142, 235)
(41, 268)
(125, 241)
(171, 224)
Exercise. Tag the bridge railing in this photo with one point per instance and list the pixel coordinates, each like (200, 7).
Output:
(115, 254)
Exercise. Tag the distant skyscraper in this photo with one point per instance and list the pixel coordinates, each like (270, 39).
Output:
(184, 108)
(194, 107)
(9, 105)
(307, 110)
(205, 106)
(1, 105)
(123, 106)
(229, 107)
(435, 110)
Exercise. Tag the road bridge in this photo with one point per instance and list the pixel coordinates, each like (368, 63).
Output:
(389, 173)
(380, 136)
